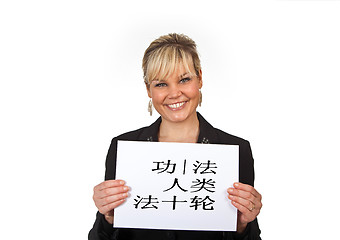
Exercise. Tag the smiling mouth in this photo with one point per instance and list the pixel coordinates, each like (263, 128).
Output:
(176, 105)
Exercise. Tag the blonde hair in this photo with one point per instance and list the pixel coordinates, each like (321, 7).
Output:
(166, 53)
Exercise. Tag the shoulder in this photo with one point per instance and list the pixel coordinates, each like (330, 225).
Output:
(227, 138)
(131, 135)
(218, 136)
(148, 133)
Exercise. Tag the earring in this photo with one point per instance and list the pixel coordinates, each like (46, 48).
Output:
(200, 99)
(150, 107)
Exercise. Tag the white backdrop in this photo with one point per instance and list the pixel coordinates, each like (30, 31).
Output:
(71, 80)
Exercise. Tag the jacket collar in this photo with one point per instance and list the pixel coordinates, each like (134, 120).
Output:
(207, 132)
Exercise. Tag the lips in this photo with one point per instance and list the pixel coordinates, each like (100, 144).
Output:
(176, 106)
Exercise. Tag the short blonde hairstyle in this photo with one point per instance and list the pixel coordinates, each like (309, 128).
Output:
(166, 53)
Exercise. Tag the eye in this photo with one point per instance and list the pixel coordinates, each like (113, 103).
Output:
(160, 85)
(184, 80)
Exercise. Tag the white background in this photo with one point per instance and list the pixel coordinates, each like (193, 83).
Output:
(71, 80)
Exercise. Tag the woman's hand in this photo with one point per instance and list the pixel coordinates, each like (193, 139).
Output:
(108, 195)
(248, 202)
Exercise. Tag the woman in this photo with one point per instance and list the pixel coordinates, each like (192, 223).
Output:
(173, 79)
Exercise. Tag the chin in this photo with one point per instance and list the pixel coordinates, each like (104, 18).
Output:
(178, 117)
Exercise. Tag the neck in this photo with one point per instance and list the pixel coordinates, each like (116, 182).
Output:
(186, 131)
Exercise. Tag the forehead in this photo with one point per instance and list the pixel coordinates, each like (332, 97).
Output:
(177, 70)
(180, 71)
(175, 76)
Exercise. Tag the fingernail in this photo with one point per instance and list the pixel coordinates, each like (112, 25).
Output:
(230, 190)
(236, 184)
(121, 182)
(126, 188)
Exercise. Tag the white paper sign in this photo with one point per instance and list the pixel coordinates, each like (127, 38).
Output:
(177, 185)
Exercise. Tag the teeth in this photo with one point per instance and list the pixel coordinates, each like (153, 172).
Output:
(176, 105)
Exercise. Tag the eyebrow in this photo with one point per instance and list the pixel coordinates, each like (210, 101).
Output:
(157, 80)
(183, 74)
(180, 76)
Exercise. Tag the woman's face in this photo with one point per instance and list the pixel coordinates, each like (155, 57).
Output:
(176, 98)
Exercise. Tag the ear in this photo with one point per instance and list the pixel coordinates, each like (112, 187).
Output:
(200, 79)
(148, 89)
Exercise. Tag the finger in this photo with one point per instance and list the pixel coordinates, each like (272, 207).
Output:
(245, 203)
(242, 194)
(111, 191)
(111, 199)
(247, 188)
(109, 207)
(244, 210)
(109, 184)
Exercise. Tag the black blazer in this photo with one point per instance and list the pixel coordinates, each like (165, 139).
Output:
(208, 135)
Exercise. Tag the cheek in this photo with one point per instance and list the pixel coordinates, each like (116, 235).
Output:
(157, 96)
(194, 93)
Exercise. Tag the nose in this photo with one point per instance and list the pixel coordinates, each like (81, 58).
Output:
(175, 92)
